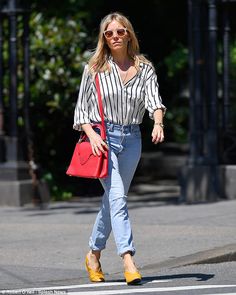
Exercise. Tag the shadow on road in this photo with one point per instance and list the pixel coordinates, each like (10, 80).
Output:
(198, 276)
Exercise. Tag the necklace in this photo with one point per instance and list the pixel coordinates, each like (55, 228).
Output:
(126, 74)
(123, 74)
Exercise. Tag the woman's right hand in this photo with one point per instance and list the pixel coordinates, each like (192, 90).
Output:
(98, 145)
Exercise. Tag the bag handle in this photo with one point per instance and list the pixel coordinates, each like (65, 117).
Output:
(103, 134)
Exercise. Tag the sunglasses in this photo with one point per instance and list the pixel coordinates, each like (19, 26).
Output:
(119, 32)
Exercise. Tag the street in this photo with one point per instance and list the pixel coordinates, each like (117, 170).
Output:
(45, 249)
(198, 279)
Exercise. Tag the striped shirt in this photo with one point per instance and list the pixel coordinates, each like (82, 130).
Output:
(122, 103)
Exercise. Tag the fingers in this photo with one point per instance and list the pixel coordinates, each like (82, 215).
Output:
(95, 150)
(99, 147)
(157, 136)
(157, 139)
(104, 146)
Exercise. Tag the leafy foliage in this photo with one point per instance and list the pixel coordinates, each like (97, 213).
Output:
(58, 56)
(177, 116)
(57, 60)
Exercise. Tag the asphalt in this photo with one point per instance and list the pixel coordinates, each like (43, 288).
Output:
(47, 247)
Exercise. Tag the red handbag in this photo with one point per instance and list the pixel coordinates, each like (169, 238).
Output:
(83, 162)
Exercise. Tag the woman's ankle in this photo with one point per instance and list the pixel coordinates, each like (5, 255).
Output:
(94, 259)
(96, 253)
(128, 262)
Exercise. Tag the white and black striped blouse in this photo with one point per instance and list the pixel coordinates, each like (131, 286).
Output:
(122, 103)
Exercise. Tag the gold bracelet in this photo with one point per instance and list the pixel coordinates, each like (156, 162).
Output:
(160, 124)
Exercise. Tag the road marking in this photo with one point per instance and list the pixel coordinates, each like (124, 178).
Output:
(93, 285)
(223, 294)
(149, 290)
(115, 292)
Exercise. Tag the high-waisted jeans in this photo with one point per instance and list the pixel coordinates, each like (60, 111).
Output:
(124, 154)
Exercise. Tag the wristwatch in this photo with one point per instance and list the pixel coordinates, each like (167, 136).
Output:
(160, 124)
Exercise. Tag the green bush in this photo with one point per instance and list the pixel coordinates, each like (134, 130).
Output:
(58, 54)
(176, 64)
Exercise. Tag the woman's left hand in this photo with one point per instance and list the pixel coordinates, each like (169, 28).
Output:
(157, 134)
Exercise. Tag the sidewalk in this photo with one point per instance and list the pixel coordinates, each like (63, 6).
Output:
(47, 247)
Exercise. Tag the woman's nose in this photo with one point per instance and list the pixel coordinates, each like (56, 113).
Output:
(115, 35)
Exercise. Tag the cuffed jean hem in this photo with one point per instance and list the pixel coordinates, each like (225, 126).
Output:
(95, 248)
(132, 252)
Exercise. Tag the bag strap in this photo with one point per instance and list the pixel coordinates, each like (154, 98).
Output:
(100, 104)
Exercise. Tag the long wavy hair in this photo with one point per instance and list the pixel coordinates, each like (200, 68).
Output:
(99, 60)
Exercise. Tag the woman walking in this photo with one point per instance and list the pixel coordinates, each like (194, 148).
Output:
(128, 85)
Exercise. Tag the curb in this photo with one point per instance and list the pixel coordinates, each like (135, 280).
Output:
(226, 253)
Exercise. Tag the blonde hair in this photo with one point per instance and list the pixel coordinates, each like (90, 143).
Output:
(99, 60)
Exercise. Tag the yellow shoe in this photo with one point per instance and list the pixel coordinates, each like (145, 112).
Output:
(94, 276)
(132, 278)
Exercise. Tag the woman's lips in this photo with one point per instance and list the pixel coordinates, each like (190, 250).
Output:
(116, 43)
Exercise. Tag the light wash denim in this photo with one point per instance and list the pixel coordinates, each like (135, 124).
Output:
(124, 154)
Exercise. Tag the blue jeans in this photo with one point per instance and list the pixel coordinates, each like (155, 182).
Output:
(124, 154)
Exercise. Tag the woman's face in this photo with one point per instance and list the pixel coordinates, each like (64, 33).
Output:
(116, 36)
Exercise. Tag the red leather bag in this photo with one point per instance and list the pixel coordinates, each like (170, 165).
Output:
(83, 162)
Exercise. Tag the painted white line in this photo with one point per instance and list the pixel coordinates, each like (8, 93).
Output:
(149, 290)
(93, 285)
(223, 294)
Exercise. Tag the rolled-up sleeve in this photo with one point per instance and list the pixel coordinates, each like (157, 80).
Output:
(81, 112)
(153, 100)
